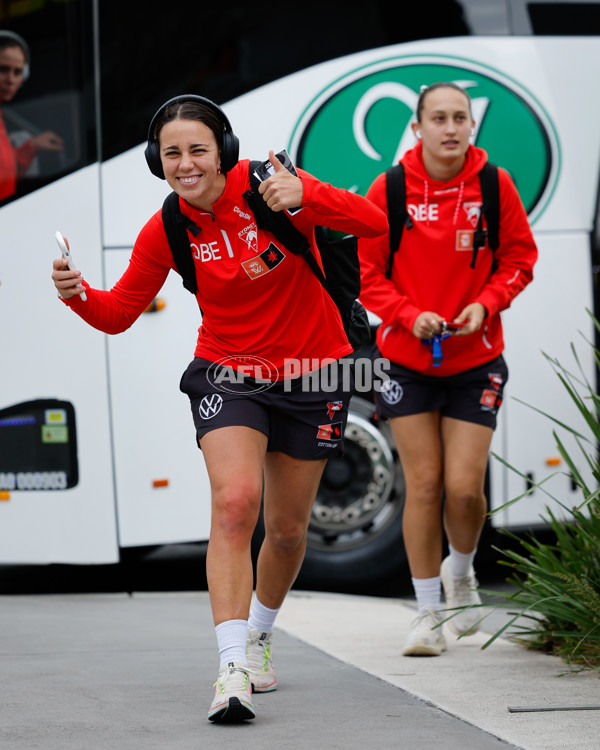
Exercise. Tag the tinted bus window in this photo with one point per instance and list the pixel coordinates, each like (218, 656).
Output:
(222, 54)
(57, 95)
(565, 19)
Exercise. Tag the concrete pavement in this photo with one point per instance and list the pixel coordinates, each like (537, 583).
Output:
(97, 671)
(478, 686)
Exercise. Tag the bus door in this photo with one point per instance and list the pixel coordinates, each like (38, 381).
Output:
(57, 501)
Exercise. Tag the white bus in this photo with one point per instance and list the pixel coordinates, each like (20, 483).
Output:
(97, 449)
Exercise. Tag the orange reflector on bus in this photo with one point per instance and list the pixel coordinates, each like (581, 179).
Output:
(156, 305)
(553, 461)
(4, 495)
(160, 483)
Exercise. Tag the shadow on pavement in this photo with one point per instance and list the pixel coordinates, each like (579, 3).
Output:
(178, 567)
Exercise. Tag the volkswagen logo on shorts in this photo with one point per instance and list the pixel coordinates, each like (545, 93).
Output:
(210, 406)
(243, 374)
(391, 391)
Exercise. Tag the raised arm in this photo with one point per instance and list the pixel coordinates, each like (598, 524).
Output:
(115, 310)
(322, 203)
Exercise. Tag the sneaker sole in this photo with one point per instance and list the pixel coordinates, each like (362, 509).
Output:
(465, 633)
(423, 649)
(232, 712)
(264, 688)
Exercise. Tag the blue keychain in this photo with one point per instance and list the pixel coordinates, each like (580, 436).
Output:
(434, 345)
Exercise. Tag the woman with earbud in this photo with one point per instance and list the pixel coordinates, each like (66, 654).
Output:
(14, 70)
(264, 314)
(440, 304)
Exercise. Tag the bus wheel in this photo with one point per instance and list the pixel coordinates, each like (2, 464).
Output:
(355, 533)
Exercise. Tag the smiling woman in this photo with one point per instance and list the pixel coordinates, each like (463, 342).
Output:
(192, 146)
(273, 311)
(341, 105)
(191, 162)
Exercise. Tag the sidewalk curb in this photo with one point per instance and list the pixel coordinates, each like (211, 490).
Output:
(475, 685)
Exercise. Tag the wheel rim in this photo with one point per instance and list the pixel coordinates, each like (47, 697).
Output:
(361, 493)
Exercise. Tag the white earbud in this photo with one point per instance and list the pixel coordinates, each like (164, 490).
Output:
(418, 133)
(472, 131)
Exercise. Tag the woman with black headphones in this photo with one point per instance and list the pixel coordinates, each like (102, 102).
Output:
(14, 71)
(265, 393)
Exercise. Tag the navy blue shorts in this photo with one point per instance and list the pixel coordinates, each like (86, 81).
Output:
(471, 396)
(304, 417)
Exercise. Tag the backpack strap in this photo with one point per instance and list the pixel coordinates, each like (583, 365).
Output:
(490, 189)
(322, 240)
(490, 207)
(176, 226)
(278, 223)
(398, 216)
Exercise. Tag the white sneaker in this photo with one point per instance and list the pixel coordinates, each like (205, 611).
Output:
(260, 661)
(233, 695)
(461, 592)
(425, 639)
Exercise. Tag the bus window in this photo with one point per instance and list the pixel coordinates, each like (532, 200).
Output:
(554, 17)
(565, 19)
(55, 96)
(222, 56)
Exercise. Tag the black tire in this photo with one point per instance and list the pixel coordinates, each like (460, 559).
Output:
(355, 540)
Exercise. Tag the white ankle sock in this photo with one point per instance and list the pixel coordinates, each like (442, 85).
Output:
(231, 639)
(460, 564)
(261, 617)
(428, 593)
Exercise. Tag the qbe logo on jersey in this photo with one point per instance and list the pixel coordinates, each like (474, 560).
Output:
(359, 125)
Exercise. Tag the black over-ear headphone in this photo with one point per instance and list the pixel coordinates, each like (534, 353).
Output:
(18, 40)
(229, 151)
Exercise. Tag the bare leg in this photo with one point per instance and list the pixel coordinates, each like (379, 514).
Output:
(417, 438)
(466, 448)
(291, 486)
(236, 479)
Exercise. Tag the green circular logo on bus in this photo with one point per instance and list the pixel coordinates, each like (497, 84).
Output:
(359, 125)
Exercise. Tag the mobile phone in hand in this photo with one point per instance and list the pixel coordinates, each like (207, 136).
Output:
(453, 327)
(66, 254)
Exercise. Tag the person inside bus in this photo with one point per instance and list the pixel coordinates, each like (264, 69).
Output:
(442, 333)
(260, 304)
(14, 71)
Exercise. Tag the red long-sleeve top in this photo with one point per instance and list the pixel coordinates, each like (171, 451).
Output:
(431, 269)
(257, 298)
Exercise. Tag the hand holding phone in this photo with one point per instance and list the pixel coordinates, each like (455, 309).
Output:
(66, 254)
(269, 168)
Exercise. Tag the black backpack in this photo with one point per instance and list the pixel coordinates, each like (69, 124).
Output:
(398, 216)
(339, 256)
